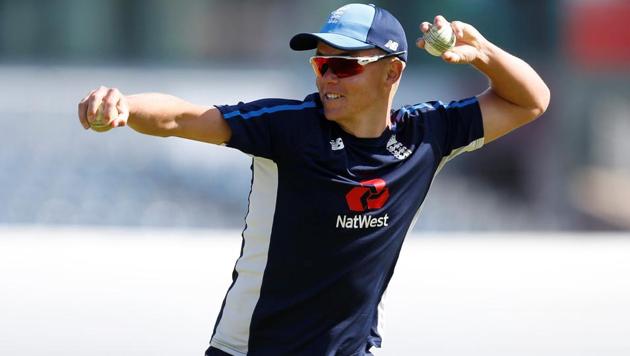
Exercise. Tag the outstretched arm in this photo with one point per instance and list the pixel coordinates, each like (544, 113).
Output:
(154, 114)
(517, 94)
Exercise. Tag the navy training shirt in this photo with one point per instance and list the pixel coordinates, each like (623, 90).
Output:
(328, 213)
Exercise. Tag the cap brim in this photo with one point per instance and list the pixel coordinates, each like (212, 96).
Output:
(306, 41)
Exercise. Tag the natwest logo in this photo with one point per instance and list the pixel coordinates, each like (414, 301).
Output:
(361, 221)
(372, 194)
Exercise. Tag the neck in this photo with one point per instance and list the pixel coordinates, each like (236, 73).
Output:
(368, 125)
(365, 129)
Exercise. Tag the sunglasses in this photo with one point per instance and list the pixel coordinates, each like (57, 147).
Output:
(345, 66)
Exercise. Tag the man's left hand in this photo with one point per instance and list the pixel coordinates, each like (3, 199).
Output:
(469, 46)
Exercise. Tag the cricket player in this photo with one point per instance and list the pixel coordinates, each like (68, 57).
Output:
(338, 178)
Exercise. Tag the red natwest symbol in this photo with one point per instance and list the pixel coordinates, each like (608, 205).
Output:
(372, 194)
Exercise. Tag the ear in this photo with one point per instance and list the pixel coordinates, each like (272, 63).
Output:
(394, 71)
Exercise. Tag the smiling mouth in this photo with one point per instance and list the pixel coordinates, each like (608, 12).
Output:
(332, 96)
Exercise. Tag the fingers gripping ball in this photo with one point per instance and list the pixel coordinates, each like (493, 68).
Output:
(437, 41)
(99, 124)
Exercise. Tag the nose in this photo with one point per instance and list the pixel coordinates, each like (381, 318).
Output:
(324, 69)
(328, 75)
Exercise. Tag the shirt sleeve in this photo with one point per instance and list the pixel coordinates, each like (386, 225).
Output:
(260, 128)
(454, 128)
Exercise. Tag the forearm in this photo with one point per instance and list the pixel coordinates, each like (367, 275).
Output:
(160, 114)
(512, 79)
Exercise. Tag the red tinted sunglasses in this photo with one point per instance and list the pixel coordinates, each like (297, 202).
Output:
(345, 66)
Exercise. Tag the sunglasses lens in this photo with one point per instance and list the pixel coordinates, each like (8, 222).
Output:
(320, 65)
(341, 67)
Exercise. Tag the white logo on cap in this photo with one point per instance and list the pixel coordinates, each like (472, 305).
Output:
(393, 45)
(336, 15)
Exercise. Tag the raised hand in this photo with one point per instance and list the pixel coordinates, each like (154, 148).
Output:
(469, 45)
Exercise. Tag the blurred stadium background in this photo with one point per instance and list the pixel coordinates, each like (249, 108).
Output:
(566, 177)
(567, 171)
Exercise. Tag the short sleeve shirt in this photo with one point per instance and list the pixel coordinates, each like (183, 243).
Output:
(328, 213)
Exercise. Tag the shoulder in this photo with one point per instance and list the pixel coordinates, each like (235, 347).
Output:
(416, 112)
(265, 107)
(436, 106)
(413, 114)
(436, 110)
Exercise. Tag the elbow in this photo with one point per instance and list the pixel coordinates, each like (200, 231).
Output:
(544, 99)
(541, 104)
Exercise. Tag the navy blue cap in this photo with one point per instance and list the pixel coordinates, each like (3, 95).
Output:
(355, 27)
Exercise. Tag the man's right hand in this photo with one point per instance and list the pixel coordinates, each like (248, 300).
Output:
(115, 109)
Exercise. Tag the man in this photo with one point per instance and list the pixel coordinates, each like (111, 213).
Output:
(338, 178)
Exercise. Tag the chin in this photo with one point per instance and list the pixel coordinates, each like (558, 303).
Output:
(333, 115)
